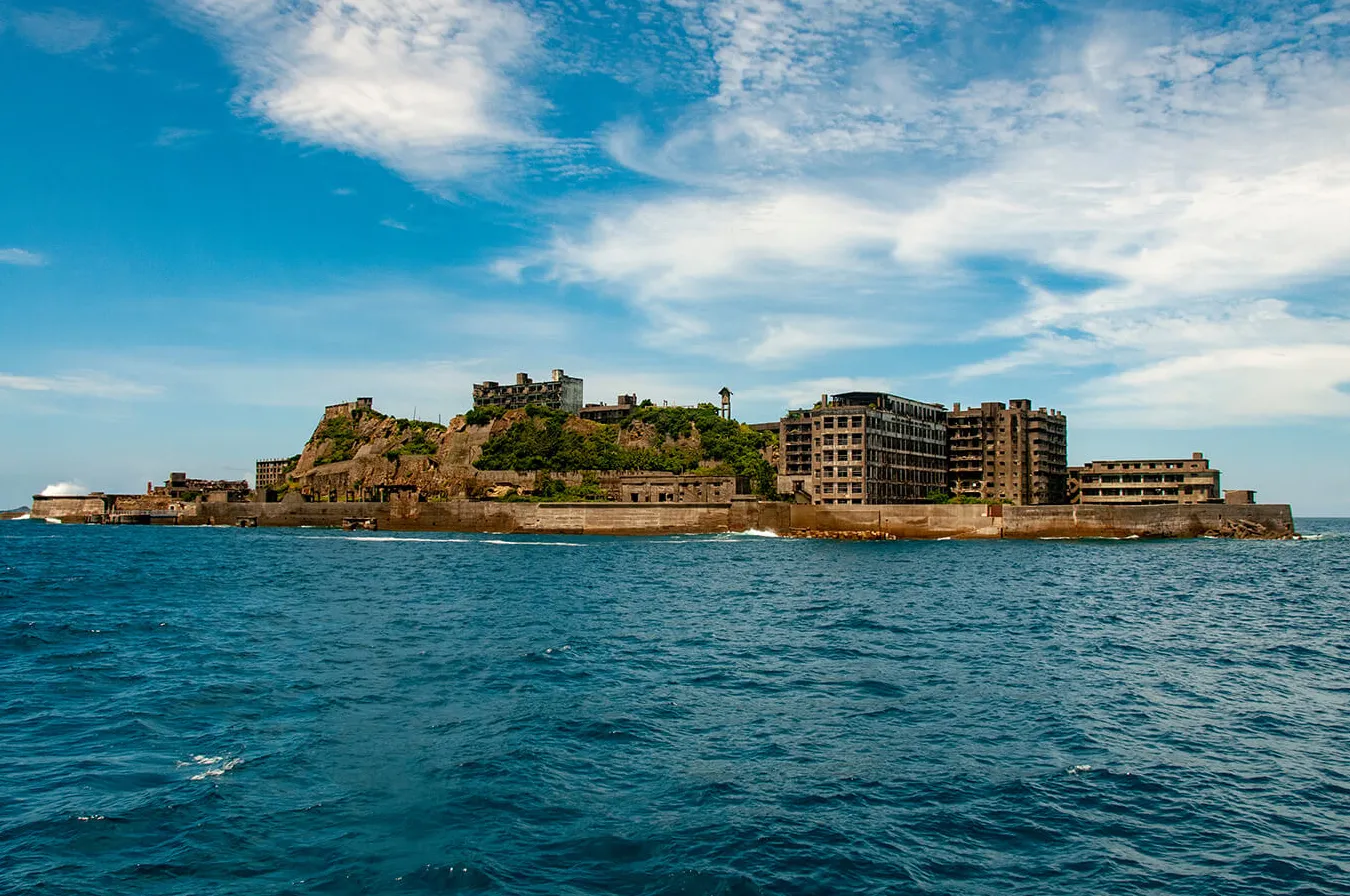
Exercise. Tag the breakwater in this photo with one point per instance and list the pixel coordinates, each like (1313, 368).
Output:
(975, 521)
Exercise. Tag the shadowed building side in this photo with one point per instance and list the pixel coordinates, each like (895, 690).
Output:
(1010, 454)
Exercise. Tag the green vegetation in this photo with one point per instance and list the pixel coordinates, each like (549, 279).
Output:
(423, 438)
(937, 496)
(340, 433)
(479, 416)
(550, 489)
(543, 442)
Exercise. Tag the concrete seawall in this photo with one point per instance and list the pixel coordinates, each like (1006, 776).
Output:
(973, 521)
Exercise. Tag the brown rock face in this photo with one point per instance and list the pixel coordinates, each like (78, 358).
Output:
(374, 452)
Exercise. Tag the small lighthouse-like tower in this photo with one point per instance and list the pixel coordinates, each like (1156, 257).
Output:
(726, 402)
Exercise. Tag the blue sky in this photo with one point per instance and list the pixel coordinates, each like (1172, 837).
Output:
(220, 215)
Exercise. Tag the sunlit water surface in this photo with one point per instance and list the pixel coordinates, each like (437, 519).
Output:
(294, 711)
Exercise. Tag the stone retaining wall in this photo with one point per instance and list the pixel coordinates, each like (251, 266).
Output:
(742, 514)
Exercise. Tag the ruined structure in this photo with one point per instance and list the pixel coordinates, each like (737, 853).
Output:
(561, 392)
(1007, 453)
(1168, 481)
(863, 448)
(271, 471)
(346, 407)
(178, 485)
(609, 413)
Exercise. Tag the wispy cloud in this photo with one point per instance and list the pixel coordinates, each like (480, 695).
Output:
(171, 137)
(85, 385)
(1186, 170)
(425, 87)
(22, 257)
(61, 31)
(392, 224)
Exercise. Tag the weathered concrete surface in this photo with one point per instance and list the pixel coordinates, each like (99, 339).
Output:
(1147, 521)
(895, 520)
(899, 520)
(486, 516)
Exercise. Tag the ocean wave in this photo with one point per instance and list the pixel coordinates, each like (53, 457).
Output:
(215, 766)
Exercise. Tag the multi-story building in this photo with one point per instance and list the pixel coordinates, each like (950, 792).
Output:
(272, 470)
(562, 393)
(1008, 453)
(610, 413)
(1172, 481)
(864, 448)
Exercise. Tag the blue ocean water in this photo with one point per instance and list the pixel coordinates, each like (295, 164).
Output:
(306, 711)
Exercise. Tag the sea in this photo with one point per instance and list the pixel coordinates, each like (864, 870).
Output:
(285, 711)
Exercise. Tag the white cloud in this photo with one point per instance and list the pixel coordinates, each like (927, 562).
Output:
(791, 338)
(679, 248)
(1186, 171)
(392, 224)
(1253, 384)
(424, 86)
(22, 257)
(84, 385)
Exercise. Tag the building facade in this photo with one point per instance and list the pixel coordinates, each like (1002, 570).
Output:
(561, 392)
(610, 413)
(660, 488)
(1174, 481)
(347, 407)
(1008, 453)
(272, 470)
(864, 448)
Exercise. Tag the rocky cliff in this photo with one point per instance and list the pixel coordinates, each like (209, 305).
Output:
(358, 453)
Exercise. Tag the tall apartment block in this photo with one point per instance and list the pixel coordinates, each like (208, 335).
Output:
(864, 448)
(1174, 481)
(271, 471)
(562, 393)
(1008, 453)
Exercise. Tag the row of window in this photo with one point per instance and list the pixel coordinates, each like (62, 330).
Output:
(1122, 492)
(841, 472)
(1155, 477)
(844, 488)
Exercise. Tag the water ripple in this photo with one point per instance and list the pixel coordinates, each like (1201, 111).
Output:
(223, 711)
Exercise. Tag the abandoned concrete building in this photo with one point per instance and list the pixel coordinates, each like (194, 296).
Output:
(609, 413)
(864, 448)
(561, 392)
(1008, 453)
(270, 471)
(346, 407)
(1168, 481)
(659, 488)
(178, 485)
